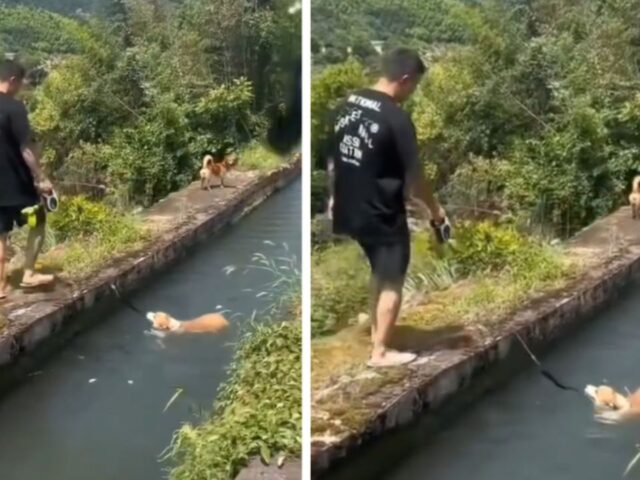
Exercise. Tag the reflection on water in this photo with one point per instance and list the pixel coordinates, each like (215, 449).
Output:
(95, 411)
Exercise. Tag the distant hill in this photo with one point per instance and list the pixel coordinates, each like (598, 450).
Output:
(65, 7)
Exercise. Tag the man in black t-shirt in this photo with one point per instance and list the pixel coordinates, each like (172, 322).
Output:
(21, 178)
(373, 158)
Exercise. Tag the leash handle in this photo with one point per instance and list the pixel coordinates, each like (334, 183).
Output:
(441, 229)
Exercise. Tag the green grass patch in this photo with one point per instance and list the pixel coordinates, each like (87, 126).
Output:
(90, 235)
(257, 412)
(256, 156)
(339, 288)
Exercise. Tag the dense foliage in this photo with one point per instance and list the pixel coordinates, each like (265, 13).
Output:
(533, 104)
(135, 95)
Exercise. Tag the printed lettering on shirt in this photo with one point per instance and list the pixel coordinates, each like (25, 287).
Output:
(348, 118)
(365, 102)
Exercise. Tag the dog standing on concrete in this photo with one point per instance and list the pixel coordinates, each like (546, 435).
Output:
(213, 167)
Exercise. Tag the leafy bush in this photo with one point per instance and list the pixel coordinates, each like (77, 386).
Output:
(484, 247)
(256, 156)
(79, 217)
(339, 286)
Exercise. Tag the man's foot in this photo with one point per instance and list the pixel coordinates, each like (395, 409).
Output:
(32, 280)
(391, 358)
(5, 290)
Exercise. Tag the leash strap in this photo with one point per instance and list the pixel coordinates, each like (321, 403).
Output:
(545, 373)
(126, 302)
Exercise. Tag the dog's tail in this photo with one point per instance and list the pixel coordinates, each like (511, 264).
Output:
(207, 161)
(636, 184)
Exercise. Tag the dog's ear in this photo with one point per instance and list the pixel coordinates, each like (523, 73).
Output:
(151, 316)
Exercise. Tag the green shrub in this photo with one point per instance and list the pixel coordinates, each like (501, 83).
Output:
(256, 156)
(340, 286)
(486, 246)
(79, 217)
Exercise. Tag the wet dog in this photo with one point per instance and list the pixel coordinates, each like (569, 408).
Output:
(611, 406)
(209, 323)
(213, 167)
(634, 198)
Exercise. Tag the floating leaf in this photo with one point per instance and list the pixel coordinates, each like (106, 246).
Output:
(179, 391)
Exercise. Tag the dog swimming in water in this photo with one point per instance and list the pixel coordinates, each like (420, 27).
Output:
(209, 323)
(611, 406)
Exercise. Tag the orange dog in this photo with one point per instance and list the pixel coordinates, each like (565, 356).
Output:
(611, 406)
(634, 198)
(216, 168)
(210, 323)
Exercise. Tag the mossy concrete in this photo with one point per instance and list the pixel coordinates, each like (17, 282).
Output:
(608, 256)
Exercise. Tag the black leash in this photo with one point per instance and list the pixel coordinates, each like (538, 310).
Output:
(545, 373)
(126, 302)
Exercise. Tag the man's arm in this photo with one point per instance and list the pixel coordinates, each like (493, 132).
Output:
(330, 185)
(22, 132)
(420, 187)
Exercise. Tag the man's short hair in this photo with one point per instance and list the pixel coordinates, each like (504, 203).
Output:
(402, 62)
(11, 69)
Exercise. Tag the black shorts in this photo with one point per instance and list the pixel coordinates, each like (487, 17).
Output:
(11, 217)
(389, 261)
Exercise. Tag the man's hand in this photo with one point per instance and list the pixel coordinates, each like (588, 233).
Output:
(44, 186)
(330, 208)
(438, 214)
(440, 224)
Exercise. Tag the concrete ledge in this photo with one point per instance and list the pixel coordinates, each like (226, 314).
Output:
(36, 318)
(611, 248)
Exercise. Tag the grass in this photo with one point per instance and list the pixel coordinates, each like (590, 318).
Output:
(450, 302)
(256, 156)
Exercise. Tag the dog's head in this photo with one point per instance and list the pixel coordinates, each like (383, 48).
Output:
(159, 320)
(605, 397)
(231, 159)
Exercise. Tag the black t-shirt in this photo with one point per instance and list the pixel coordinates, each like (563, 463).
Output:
(16, 182)
(374, 149)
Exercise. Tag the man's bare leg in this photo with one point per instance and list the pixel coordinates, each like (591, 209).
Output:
(35, 241)
(374, 296)
(4, 257)
(387, 310)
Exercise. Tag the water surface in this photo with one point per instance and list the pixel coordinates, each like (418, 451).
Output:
(530, 430)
